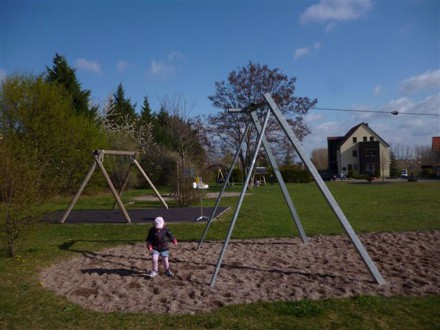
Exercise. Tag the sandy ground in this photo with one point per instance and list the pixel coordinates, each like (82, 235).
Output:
(116, 279)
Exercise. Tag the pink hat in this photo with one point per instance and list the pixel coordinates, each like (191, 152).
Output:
(159, 222)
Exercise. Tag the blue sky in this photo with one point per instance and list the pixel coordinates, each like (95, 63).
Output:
(349, 54)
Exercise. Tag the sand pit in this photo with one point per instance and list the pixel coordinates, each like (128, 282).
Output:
(115, 279)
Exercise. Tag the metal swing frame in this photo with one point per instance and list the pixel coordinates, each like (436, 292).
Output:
(272, 108)
(98, 156)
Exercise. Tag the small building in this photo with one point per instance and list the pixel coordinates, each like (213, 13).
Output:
(360, 150)
(436, 155)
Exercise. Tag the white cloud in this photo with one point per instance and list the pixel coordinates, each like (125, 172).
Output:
(161, 69)
(121, 66)
(333, 11)
(409, 128)
(164, 69)
(301, 52)
(313, 116)
(402, 104)
(427, 80)
(175, 56)
(306, 51)
(377, 90)
(92, 66)
(430, 104)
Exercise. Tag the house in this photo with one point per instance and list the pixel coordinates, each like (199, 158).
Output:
(436, 155)
(361, 150)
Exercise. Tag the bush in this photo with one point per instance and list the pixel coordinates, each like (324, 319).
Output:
(45, 149)
(294, 174)
(427, 172)
(237, 175)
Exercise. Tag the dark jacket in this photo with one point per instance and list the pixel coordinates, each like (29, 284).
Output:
(159, 238)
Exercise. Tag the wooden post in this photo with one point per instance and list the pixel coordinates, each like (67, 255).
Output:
(112, 188)
(78, 193)
(150, 183)
(98, 156)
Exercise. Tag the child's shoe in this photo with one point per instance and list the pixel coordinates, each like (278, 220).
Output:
(169, 273)
(153, 274)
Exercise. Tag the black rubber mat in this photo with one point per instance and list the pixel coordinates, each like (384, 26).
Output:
(136, 215)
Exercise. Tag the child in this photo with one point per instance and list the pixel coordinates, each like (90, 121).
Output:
(157, 244)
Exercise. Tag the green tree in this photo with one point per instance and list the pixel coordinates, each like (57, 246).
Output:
(45, 147)
(394, 168)
(177, 132)
(121, 111)
(20, 187)
(61, 73)
(147, 115)
(248, 85)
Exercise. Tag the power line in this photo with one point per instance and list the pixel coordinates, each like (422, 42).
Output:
(394, 112)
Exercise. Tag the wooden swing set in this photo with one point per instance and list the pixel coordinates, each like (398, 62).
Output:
(98, 156)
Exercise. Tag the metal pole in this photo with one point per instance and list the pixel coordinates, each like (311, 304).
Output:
(280, 179)
(116, 152)
(231, 168)
(326, 192)
(240, 201)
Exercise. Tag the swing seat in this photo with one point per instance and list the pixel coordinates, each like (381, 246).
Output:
(220, 180)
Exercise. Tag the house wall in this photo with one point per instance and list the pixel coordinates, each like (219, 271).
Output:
(350, 153)
(385, 159)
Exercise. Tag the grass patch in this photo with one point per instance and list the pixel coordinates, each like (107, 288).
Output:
(369, 208)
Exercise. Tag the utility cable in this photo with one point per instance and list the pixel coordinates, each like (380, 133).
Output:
(394, 112)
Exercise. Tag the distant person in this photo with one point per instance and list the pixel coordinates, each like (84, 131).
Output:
(157, 243)
(271, 179)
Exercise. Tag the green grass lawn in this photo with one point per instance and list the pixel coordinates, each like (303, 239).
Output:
(377, 207)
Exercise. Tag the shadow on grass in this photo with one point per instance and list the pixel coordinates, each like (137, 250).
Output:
(67, 246)
(369, 182)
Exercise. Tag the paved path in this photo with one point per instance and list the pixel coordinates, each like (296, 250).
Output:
(139, 216)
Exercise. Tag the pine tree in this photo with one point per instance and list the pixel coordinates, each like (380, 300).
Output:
(61, 73)
(146, 116)
(121, 112)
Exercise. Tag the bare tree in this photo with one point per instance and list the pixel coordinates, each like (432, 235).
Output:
(248, 85)
(424, 154)
(182, 135)
(384, 162)
(320, 158)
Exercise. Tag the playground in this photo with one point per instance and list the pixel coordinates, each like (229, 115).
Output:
(115, 279)
(275, 269)
(67, 272)
(289, 261)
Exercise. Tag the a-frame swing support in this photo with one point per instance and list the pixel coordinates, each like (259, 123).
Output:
(273, 108)
(98, 156)
(278, 175)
